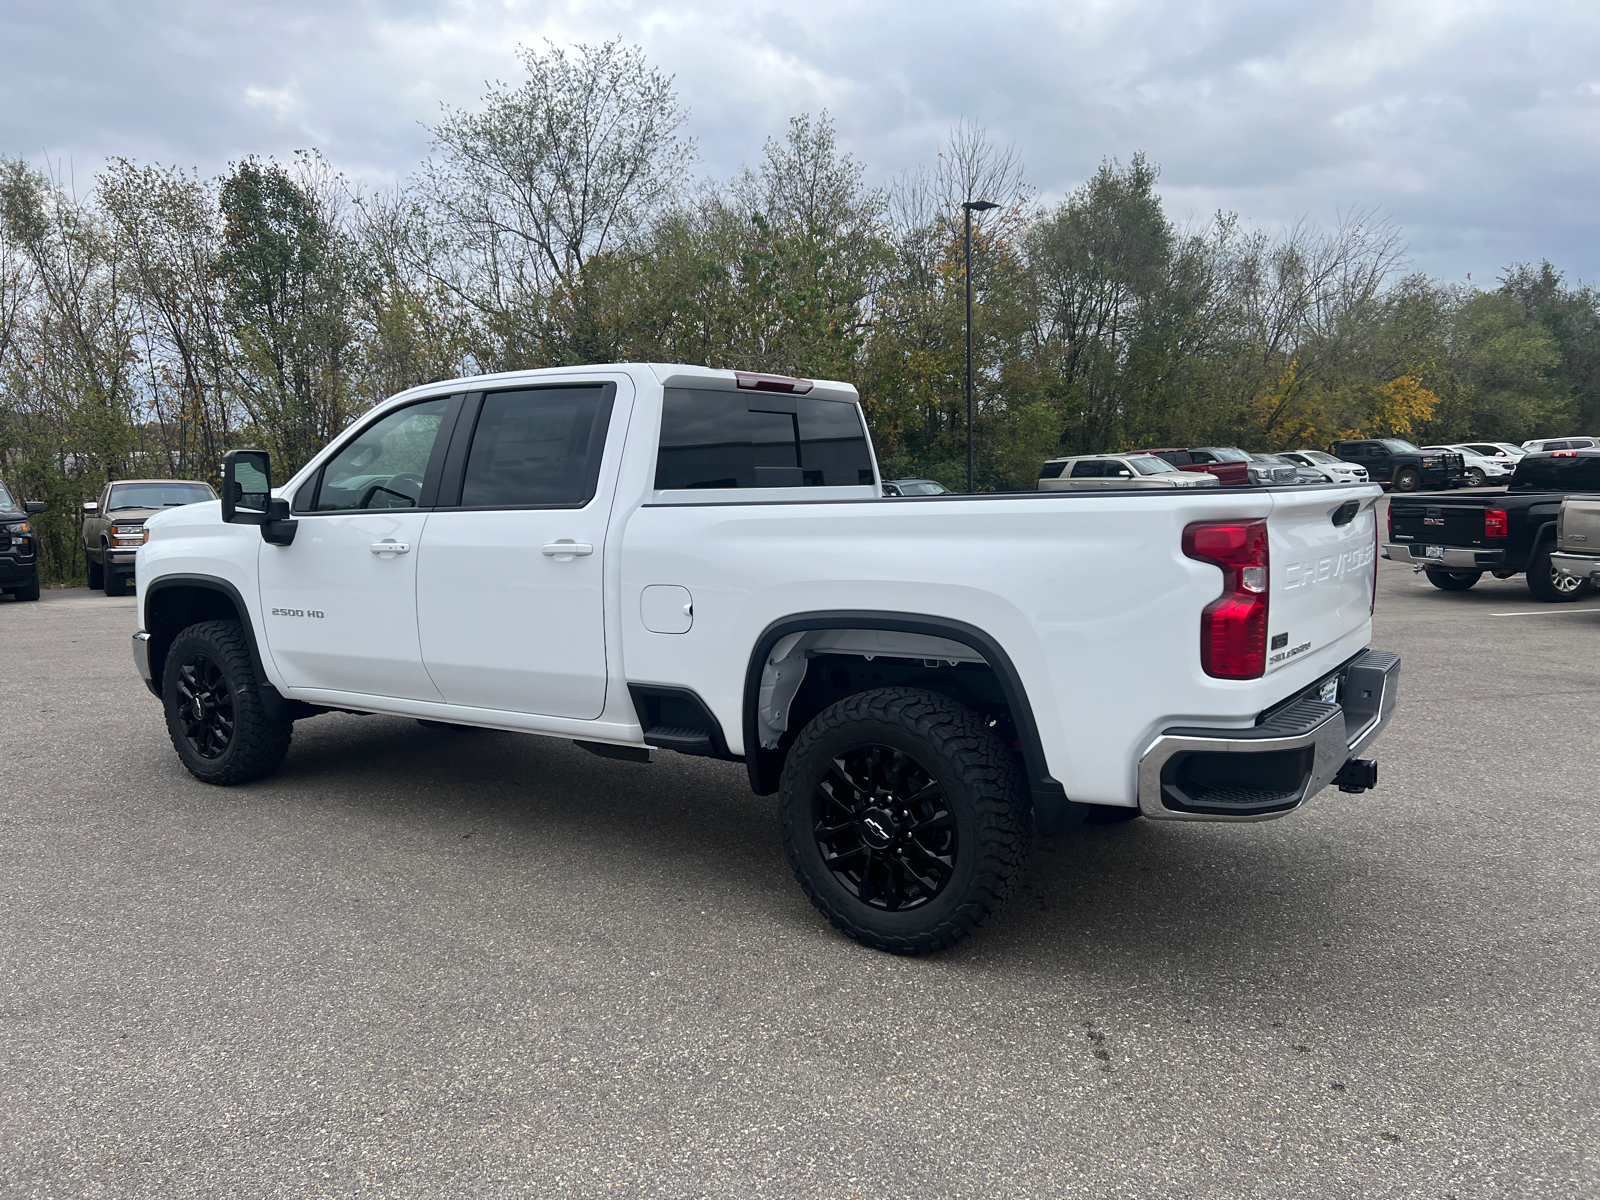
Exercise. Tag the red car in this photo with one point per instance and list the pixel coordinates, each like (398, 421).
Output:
(1231, 466)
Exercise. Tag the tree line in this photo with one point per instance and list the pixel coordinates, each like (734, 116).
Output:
(159, 318)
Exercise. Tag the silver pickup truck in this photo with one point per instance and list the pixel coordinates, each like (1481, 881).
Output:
(1577, 552)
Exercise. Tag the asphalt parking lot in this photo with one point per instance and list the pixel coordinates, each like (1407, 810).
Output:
(430, 964)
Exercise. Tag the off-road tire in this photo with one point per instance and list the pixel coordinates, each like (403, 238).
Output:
(97, 576)
(1452, 581)
(1546, 584)
(258, 744)
(980, 785)
(115, 582)
(1407, 480)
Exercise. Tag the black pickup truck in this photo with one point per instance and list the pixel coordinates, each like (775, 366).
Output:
(1402, 466)
(1456, 539)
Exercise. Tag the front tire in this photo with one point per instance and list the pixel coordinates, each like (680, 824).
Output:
(215, 714)
(904, 817)
(1452, 581)
(97, 577)
(1407, 481)
(1548, 584)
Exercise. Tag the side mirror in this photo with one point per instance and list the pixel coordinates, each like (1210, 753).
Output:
(1124, 474)
(34, 506)
(246, 487)
(91, 507)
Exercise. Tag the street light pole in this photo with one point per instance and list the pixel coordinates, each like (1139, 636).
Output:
(968, 208)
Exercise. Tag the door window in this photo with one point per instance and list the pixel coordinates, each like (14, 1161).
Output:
(1202, 456)
(713, 439)
(537, 448)
(1088, 470)
(384, 465)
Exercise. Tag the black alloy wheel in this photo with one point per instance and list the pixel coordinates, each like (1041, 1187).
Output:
(216, 707)
(205, 706)
(884, 828)
(905, 818)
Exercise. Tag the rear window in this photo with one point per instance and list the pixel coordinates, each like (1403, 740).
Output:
(537, 448)
(759, 440)
(1580, 473)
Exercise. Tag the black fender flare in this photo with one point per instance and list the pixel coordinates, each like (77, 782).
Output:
(272, 699)
(1053, 811)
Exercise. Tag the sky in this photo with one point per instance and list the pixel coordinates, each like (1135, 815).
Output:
(1474, 124)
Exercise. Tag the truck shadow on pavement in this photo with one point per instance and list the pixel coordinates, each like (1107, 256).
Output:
(681, 835)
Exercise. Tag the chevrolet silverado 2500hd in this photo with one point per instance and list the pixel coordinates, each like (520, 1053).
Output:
(703, 561)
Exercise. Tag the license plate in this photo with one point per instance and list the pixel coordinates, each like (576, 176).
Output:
(1329, 691)
(1433, 551)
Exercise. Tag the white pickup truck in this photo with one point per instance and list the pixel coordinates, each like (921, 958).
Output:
(703, 561)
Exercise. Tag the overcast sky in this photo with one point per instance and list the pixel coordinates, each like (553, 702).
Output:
(1474, 123)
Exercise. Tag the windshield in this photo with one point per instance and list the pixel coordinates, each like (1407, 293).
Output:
(1318, 456)
(5, 498)
(157, 495)
(921, 487)
(1399, 447)
(1518, 451)
(1152, 466)
(1275, 459)
(1227, 454)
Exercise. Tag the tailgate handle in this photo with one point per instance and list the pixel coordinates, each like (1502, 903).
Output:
(1346, 512)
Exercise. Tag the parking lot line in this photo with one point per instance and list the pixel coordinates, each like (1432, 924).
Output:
(1547, 612)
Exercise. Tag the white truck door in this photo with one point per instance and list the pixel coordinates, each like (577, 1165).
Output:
(339, 605)
(511, 573)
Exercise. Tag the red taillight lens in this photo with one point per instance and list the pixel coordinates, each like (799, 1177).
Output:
(1494, 522)
(1389, 512)
(1233, 627)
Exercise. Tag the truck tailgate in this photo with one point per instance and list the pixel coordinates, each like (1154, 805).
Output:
(1578, 530)
(1323, 548)
(1439, 522)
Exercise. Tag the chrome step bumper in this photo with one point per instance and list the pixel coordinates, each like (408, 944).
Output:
(1271, 769)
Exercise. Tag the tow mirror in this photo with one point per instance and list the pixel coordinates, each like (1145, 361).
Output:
(33, 506)
(246, 487)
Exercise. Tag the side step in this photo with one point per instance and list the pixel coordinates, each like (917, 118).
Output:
(681, 739)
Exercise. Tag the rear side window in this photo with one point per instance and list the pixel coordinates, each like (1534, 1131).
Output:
(1580, 473)
(537, 448)
(713, 439)
(1052, 470)
(1089, 469)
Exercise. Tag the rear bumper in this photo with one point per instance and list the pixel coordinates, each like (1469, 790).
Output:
(1270, 769)
(1579, 566)
(1467, 560)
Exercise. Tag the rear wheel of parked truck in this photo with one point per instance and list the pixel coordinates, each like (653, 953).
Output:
(1550, 585)
(904, 817)
(215, 715)
(1452, 581)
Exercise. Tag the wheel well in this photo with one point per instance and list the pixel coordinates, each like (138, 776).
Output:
(803, 664)
(171, 609)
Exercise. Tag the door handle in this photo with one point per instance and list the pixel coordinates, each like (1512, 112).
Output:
(391, 547)
(567, 548)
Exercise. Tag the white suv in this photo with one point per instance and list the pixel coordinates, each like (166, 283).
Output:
(1541, 445)
(1481, 468)
(1099, 472)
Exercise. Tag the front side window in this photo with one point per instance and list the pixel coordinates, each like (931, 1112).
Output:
(384, 465)
(537, 448)
(712, 439)
(157, 495)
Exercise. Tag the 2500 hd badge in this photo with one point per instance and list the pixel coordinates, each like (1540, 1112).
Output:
(296, 612)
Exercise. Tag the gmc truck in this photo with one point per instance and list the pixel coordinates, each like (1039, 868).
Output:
(648, 557)
(1457, 539)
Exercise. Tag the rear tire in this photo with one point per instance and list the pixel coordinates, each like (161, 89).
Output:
(1452, 581)
(1548, 584)
(1407, 480)
(904, 817)
(215, 714)
(1474, 478)
(97, 573)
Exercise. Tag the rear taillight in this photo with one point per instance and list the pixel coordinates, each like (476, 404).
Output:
(1494, 522)
(1233, 627)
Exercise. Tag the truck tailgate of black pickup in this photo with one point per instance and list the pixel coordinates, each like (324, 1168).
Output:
(1458, 521)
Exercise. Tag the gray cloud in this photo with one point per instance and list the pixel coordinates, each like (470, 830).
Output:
(1476, 126)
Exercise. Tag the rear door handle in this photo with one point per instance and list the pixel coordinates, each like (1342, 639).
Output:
(567, 548)
(391, 547)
